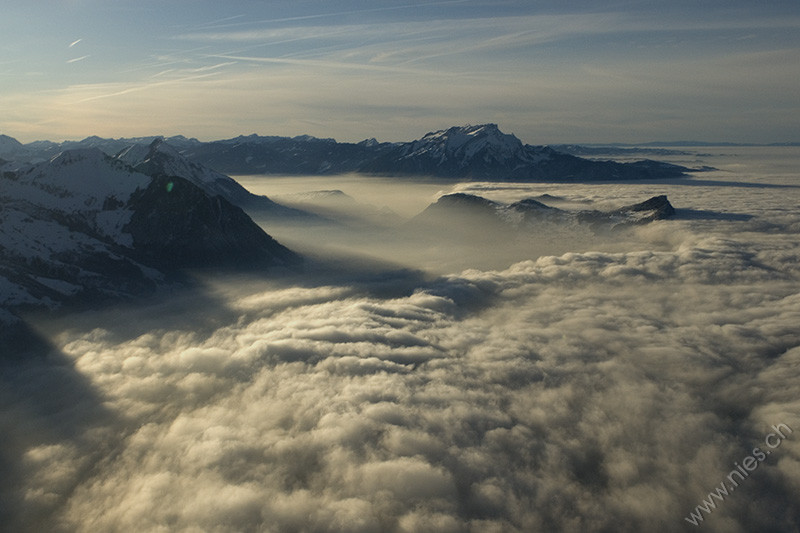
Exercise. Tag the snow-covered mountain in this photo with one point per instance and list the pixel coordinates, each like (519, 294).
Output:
(469, 151)
(485, 153)
(159, 158)
(84, 226)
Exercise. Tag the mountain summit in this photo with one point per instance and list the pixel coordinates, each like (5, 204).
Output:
(481, 151)
(471, 141)
(484, 152)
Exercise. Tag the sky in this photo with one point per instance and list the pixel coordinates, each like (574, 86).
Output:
(549, 72)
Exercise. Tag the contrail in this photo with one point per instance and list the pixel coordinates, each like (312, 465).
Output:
(216, 23)
(77, 59)
(144, 87)
(339, 13)
(73, 43)
(324, 63)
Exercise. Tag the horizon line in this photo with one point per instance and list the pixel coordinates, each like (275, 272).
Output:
(672, 143)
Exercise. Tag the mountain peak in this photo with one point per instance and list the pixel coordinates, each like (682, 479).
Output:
(158, 141)
(5, 140)
(369, 143)
(68, 157)
(473, 139)
(489, 128)
(93, 140)
(160, 146)
(469, 129)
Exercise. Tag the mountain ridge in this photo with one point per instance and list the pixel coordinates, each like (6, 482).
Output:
(481, 152)
(457, 211)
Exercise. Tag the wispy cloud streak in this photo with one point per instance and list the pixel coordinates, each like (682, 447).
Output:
(143, 87)
(335, 14)
(331, 64)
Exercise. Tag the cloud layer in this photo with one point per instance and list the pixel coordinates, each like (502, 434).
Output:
(580, 392)
(588, 391)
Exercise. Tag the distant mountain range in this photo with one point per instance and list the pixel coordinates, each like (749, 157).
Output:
(690, 144)
(605, 151)
(480, 152)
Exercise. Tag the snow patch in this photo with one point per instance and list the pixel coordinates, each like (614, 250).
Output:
(63, 287)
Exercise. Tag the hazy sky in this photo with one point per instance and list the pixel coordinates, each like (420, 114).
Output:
(546, 71)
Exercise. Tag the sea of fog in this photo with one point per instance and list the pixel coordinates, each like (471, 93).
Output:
(419, 379)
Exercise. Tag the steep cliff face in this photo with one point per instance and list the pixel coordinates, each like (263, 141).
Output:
(175, 224)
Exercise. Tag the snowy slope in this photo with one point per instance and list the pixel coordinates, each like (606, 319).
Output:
(461, 145)
(85, 183)
(86, 226)
(159, 158)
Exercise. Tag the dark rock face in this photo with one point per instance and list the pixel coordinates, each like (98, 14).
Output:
(459, 216)
(529, 204)
(659, 206)
(472, 210)
(656, 208)
(459, 200)
(175, 225)
(473, 215)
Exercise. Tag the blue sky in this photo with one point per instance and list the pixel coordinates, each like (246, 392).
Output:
(547, 71)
